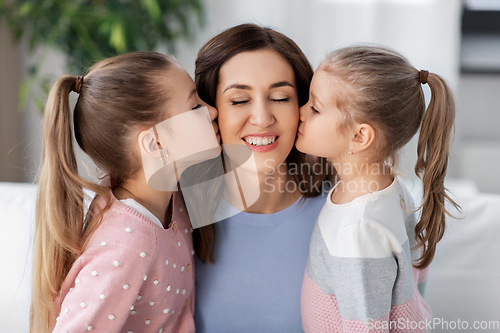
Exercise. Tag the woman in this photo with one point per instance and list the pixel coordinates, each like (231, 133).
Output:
(249, 280)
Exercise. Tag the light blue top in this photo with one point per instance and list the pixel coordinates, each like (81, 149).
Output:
(255, 284)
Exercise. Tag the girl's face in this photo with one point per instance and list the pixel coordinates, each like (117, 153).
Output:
(318, 132)
(184, 96)
(186, 137)
(258, 107)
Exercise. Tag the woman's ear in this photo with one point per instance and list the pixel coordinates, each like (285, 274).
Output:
(364, 135)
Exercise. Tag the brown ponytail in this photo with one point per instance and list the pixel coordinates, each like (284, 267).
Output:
(433, 151)
(59, 215)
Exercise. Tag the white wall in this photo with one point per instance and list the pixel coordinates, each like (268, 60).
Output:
(426, 31)
(478, 118)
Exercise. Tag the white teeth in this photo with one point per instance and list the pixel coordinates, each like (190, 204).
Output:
(260, 141)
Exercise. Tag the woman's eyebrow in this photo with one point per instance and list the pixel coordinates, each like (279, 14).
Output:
(237, 86)
(244, 86)
(282, 84)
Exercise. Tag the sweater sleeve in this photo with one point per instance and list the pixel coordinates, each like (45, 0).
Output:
(364, 277)
(104, 283)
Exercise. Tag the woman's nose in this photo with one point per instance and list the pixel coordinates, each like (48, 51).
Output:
(262, 115)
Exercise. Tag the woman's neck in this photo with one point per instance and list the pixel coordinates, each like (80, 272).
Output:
(358, 178)
(277, 191)
(156, 202)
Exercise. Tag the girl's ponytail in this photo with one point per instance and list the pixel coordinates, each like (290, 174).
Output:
(117, 96)
(60, 230)
(433, 151)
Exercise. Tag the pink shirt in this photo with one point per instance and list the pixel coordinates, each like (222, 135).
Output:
(133, 276)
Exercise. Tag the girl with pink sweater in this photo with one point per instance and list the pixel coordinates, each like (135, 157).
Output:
(127, 264)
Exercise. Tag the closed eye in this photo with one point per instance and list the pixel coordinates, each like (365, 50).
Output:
(281, 100)
(196, 107)
(238, 102)
(314, 109)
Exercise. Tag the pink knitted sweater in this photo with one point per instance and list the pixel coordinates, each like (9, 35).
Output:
(133, 276)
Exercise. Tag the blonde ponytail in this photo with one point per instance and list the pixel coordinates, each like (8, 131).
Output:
(60, 232)
(433, 151)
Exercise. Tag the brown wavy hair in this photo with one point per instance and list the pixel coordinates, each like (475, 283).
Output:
(381, 88)
(118, 95)
(211, 57)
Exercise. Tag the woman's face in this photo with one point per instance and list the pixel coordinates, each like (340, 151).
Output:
(258, 107)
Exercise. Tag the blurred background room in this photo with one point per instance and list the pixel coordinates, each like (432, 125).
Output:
(459, 40)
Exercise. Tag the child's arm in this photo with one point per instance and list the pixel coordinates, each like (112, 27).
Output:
(105, 283)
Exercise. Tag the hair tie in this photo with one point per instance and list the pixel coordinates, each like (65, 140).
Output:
(423, 76)
(78, 84)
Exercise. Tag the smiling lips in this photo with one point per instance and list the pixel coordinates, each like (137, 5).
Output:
(262, 142)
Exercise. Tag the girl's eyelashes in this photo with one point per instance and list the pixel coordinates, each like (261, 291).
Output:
(280, 100)
(314, 109)
(197, 107)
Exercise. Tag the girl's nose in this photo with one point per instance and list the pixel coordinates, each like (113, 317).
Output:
(262, 115)
(212, 112)
(302, 113)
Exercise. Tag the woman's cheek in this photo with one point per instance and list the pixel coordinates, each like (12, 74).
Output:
(227, 126)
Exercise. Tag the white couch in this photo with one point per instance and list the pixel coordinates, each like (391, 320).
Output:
(463, 284)
(17, 215)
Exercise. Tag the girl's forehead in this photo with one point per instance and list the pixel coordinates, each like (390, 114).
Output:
(323, 81)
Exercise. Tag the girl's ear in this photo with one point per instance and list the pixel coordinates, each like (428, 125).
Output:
(148, 143)
(364, 135)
